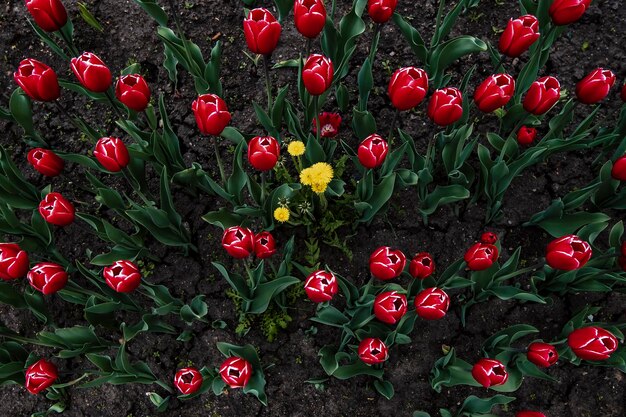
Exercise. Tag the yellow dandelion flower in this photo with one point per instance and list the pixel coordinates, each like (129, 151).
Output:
(319, 187)
(281, 214)
(296, 148)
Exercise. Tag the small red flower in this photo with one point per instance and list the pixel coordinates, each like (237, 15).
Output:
(529, 414)
(481, 256)
(542, 95)
(526, 135)
(372, 351)
(564, 12)
(387, 263)
(38, 80)
(91, 72)
(123, 276)
(238, 241)
(50, 15)
(211, 114)
(373, 151)
(133, 91)
(408, 87)
(309, 17)
(592, 343)
(389, 307)
(112, 154)
(47, 277)
(262, 31)
(55, 209)
(40, 375)
(329, 124)
(380, 11)
(188, 380)
(236, 372)
(446, 106)
(321, 286)
(264, 245)
(489, 238)
(495, 92)
(13, 261)
(489, 372)
(422, 265)
(317, 74)
(618, 171)
(519, 35)
(568, 253)
(595, 86)
(432, 304)
(46, 162)
(543, 355)
(263, 152)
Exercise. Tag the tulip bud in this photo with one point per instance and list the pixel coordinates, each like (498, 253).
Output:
(55, 209)
(188, 380)
(592, 343)
(543, 355)
(618, 171)
(40, 376)
(122, 276)
(373, 151)
(564, 12)
(519, 35)
(317, 74)
(542, 95)
(481, 256)
(264, 245)
(446, 106)
(595, 86)
(526, 135)
(389, 307)
(489, 238)
(132, 90)
(112, 154)
(262, 31)
(91, 72)
(263, 152)
(321, 286)
(387, 263)
(568, 253)
(422, 265)
(432, 304)
(495, 92)
(45, 162)
(372, 351)
(529, 414)
(489, 372)
(310, 17)
(380, 11)
(407, 87)
(236, 372)
(38, 80)
(47, 277)
(49, 15)
(13, 261)
(329, 124)
(211, 114)
(238, 241)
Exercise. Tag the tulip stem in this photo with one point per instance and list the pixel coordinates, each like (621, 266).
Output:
(79, 124)
(268, 83)
(309, 45)
(316, 109)
(114, 105)
(500, 62)
(69, 42)
(220, 165)
(393, 126)
(374, 45)
(263, 191)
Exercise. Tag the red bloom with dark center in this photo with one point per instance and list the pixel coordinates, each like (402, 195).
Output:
(13, 261)
(389, 307)
(564, 12)
(133, 91)
(372, 351)
(263, 152)
(317, 74)
(542, 95)
(321, 286)
(45, 162)
(55, 209)
(40, 375)
(188, 380)
(309, 17)
(262, 31)
(123, 276)
(380, 11)
(236, 372)
(211, 114)
(495, 92)
(329, 124)
(592, 343)
(238, 241)
(618, 171)
(91, 72)
(519, 35)
(408, 87)
(489, 372)
(481, 256)
(526, 135)
(387, 263)
(47, 277)
(38, 80)
(422, 265)
(543, 355)
(112, 154)
(489, 238)
(373, 151)
(264, 245)
(446, 106)
(595, 86)
(432, 304)
(568, 253)
(50, 15)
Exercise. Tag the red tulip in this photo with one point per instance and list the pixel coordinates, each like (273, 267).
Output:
(446, 106)
(40, 376)
(407, 87)
(542, 95)
(47, 277)
(310, 17)
(50, 15)
(543, 355)
(188, 380)
(495, 92)
(422, 265)
(564, 12)
(489, 238)
(91, 72)
(122, 276)
(13, 261)
(526, 135)
(618, 171)
(595, 86)
(529, 414)
(329, 124)
(55, 209)
(372, 351)
(112, 154)
(373, 151)
(568, 253)
(387, 263)
(211, 114)
(238, 241)
(236, 372)
(389, 307)
(380, 11)
(317, 74)
(46, 162)
(519, 35)
(133, 91)
(481, 256)
(321, 286)
(38, 80)
(262, 31)
(263, 152)
(432, 304)
(264, 245)
(592, 343)
(489, 372)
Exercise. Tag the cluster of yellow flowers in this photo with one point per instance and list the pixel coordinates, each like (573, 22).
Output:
(317, 176)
